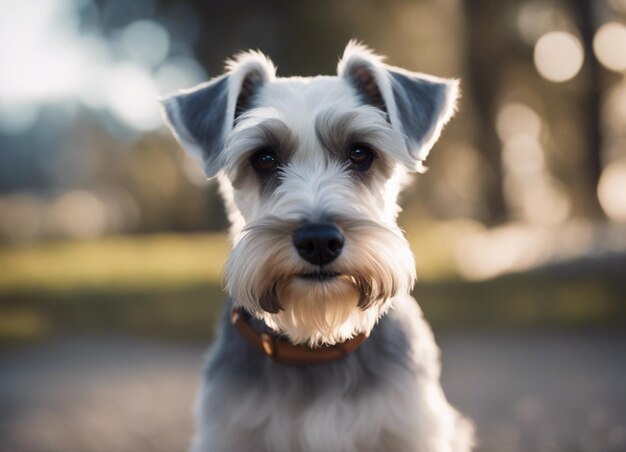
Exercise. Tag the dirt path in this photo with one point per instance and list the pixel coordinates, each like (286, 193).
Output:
(539, 392)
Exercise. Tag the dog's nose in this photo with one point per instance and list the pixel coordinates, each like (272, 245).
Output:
(318, 243)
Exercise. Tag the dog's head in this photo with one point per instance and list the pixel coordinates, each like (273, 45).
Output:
(310, 169)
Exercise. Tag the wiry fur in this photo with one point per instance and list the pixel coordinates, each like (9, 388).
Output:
(386, 395)
(376, 256)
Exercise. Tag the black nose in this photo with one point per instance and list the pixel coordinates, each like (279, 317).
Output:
(318, 243)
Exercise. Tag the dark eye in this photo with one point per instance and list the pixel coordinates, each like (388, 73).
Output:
(361, 157)
(264, 161)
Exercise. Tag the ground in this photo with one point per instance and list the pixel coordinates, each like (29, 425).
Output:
(552, 391)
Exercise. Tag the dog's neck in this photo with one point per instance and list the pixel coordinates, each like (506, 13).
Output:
(281, 350)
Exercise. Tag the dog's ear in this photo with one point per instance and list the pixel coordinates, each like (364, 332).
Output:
(417, 105)
(201, 117)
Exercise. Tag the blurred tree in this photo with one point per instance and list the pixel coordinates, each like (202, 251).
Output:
(485, 52)
(584, 14)
(486, 43)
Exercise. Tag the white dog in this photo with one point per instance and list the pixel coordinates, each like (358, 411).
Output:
(322, 347)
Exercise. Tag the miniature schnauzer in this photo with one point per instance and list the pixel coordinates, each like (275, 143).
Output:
(321, 346)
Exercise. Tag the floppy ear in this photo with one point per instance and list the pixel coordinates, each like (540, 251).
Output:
(417, 105)
(201, 117)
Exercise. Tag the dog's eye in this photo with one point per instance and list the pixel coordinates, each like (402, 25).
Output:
(264, 161)
(361, 157)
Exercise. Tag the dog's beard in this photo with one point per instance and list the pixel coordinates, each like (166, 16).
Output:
(265, 275)
(315, 311)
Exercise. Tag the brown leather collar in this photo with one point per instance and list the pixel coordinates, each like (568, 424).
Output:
(284, 351)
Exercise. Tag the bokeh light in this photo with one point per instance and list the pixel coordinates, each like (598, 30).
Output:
(517, 119)
(609, 45)
(545, 201)
(612, 190)
(490, 253)
(54, 59)
(38, 43)
(523, 155)
(614, 108)
(529, 188)
(79, 214)
(132, 95)
(178, 72)
(534, 19)
(145, 41)
(558, 56)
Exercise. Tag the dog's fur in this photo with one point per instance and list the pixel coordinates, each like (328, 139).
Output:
(386, 395)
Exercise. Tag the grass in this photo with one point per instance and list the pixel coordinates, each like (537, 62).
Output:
(125, 262)
(169, 286)
(164, 284)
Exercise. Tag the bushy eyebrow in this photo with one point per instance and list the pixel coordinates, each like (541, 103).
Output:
(270, 133)
(335, 131)
(252, 136)
(276, 134)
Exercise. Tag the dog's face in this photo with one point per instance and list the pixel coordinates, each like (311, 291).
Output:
(310, 169)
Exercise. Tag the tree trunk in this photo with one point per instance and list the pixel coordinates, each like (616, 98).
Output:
(485, 53)
(584, 14)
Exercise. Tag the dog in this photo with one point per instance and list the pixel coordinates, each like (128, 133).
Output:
(321, 346)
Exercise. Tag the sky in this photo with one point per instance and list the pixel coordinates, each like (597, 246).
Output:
(54, 59)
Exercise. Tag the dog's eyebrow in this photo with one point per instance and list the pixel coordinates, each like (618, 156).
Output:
(277, 135)
(271, 133)
(336, 131)
(268, 133)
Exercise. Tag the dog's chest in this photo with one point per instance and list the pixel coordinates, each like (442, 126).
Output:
(374, 400)
(289, 419)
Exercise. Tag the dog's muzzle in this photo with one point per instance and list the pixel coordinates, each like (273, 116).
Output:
(318, 243)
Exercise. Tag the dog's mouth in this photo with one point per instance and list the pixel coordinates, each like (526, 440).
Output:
(319, 276)
(270, 301)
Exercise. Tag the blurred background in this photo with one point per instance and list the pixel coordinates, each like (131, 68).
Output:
(112, 242)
